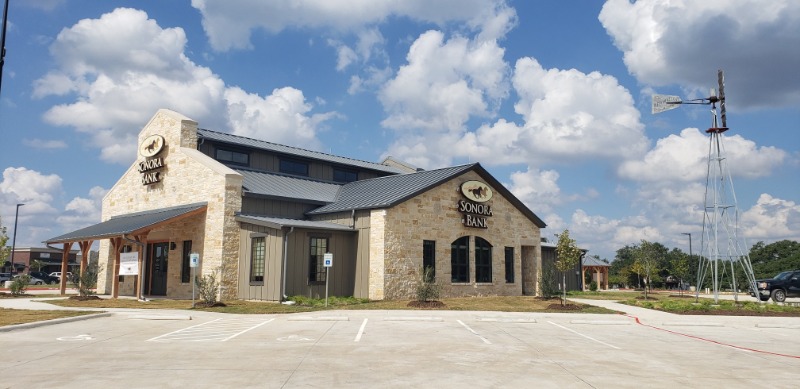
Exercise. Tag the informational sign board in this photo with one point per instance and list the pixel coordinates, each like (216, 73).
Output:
(194, 260)
(327, 259)
(129, 264)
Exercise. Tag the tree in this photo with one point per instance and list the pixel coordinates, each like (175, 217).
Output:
(3, 249)
(648, 255)
(680, 267)
(37, 265)
(567, 255)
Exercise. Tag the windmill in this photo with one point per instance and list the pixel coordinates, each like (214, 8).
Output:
(721, 245)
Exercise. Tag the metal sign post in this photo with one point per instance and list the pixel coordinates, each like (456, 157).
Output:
(194, 260)
(328, 262)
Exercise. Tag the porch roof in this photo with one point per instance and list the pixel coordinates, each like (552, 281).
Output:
(278, 223)
(130, 224)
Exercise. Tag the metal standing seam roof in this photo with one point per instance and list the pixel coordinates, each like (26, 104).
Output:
(294, 151)
(591, 261)
(276, 222)
(282, 186)
(386, 191)
(127, 224)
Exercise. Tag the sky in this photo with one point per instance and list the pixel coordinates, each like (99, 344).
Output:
(552, 97)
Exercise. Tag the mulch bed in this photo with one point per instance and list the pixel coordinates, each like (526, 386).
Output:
(85, 298)
(566, 307)
(427, 304)
(204, 305)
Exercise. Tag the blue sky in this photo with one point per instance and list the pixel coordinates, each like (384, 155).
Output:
(552, 97)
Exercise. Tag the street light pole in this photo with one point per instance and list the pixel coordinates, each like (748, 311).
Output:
(14, 240)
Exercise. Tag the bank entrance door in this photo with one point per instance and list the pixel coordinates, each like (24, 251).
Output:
(156, 277)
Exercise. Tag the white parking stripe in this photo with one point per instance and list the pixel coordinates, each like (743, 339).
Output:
(473, 331)
(585, 336)
(361, 331)
(218, 330)
(249, 329)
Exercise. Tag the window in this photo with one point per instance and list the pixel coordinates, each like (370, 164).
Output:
(316, 264)
(236, 157)
(429, 258)
(510, 265)
(293, 166)
(459, 260)
(483, 260)
(257, 258)
(344, 175)
(185, 270)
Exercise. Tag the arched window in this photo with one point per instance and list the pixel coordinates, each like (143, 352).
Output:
(459, 259)
(483, 260)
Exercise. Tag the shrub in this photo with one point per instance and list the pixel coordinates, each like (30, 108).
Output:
(207, 288)
(593, 286)
(547, 282)
(87, 280)
(20, 284)
(427, 288)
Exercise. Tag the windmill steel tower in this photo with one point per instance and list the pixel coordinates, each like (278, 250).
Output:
(720, 241)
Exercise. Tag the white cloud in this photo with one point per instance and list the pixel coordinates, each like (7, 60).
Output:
(570, 114)
(537, 189)
(771, 219)
(81, 211)
(37, 191)
(444, 84)
(123, 67)
(685, 42)
(230, 24)
(684, 158)
(280, 117)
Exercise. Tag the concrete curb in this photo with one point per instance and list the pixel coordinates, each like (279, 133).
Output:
(35, 324)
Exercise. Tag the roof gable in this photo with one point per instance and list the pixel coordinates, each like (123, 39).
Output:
(384, 192)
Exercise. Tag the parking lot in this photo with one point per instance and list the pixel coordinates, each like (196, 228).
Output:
(403, 349)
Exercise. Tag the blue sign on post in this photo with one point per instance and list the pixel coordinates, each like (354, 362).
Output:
(327, 260)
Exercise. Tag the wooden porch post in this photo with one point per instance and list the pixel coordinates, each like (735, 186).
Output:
(64, 259)
(116, 243)
(84, 245)
(139, 277)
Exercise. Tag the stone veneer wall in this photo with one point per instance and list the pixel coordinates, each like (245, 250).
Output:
(396, 243)
(188, 176)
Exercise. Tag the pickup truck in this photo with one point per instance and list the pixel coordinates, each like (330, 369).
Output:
(786, 284)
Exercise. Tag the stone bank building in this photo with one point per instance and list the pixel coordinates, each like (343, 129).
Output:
(271, 221)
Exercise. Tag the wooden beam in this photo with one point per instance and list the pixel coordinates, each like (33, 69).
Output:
(64, 260)
(116, 243)
(138, 284)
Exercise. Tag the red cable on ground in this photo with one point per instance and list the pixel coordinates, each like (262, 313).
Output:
(713, 341)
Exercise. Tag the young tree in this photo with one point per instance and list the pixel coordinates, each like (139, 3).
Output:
(567, 255)
(680, 266)
(648, 255)
(3, 249)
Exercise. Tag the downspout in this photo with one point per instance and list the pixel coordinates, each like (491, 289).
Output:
(140, 292)
(285, 260)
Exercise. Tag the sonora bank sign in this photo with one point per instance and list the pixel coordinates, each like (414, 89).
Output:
(150, 148)
(474, 208)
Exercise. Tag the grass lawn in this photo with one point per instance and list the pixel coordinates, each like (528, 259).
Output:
(21, 316)
(498, 303)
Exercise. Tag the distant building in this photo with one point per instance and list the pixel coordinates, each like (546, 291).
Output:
(271, 221)
(49, 258)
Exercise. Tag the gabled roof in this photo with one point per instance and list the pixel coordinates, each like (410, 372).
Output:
(277, 223)
(387, 191)
(384, 192)
(591, 261)
(281, 186)
(131, 223)
(293, 151)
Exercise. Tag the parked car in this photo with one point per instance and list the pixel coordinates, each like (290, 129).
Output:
(57, 274)
(48, 279)
(5, 277)
(786, 284)
(31, 280)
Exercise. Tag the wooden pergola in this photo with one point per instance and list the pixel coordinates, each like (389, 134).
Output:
(598, 269)
(121, 230)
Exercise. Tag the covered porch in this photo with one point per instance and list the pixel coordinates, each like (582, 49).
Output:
(598, 271)
(124, 230)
